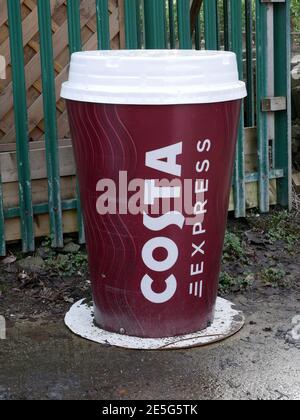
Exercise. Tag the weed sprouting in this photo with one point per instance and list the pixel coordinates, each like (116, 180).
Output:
(273, 277)
(233, 248)
(278, 226)
(64, 264)
(229, 283)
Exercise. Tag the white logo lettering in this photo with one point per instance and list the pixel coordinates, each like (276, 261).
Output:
(165, 159)
(157, 243)
(149, 294)
(152, 192)
(159, 223)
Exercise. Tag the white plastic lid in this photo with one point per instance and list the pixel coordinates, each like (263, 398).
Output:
(153, 77)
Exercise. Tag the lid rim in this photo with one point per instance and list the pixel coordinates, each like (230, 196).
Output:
(201, 98)
(104, 77)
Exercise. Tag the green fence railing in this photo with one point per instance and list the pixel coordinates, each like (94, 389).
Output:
(257, 31)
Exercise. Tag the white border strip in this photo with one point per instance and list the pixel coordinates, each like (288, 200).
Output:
(228, 321)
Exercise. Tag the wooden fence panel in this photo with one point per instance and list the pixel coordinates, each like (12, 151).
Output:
(131, 25)
(32, 61)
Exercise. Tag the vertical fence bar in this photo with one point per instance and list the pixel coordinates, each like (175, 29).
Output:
(131, 25)
(271, 83)
(155, 32)
(249, 63)
(184, 24)
(211, 24)
(282, 60)
(172, 24)
(140, 29)
(198, 34)
(262, 118)
(165, 14)
(21, 123)
(2, 216)
(51, 142)
(74, 28)
(2, 222)
(73, 8)
(239, 166)
(102, 14)
(226, 25)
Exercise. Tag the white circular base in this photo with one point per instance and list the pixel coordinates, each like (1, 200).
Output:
(228, 321)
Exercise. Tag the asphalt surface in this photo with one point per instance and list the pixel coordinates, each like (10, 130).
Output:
(43, 360)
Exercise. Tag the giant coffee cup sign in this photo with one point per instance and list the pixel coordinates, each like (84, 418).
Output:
(154, 135)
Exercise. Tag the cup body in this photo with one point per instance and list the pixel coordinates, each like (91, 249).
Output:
(155, 183)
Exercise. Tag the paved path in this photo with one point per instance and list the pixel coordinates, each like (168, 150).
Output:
(44, 360)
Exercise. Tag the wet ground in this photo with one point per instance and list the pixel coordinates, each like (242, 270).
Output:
(41, 359)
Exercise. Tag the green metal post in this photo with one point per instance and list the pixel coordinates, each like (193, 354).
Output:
(21, 123)
(2, 223)
(2, 220)
(74, 46)
(226, 25)
(139, 28)
(261, 93)
(165, 16)
(131, 24)
(155, 32)
(249, 53)
(172, 24)
(51, 142)
(42, 208)
(211, 24)
(283, 88)
(102, 14)
(184, 24)
(74, 25)
(198, 34)
(239, 166)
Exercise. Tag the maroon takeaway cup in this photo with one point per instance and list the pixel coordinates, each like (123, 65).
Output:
(154, 135)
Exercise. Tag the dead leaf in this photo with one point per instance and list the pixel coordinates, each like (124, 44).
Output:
(9, 260)
(68, 300)
(23, 276)
(255, 237)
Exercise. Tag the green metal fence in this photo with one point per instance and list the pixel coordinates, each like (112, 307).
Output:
(258, 31)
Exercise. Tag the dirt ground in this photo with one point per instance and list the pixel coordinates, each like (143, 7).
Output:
(41, 359)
